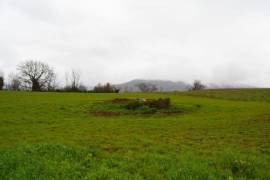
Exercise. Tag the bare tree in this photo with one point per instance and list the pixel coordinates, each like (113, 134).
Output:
(51, 84)
(1, 82)
(36, 75)
(73, 81)
(146, 87)
(14, 82)
(197, 85)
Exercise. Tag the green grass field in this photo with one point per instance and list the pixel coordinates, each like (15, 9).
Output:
(55, 136)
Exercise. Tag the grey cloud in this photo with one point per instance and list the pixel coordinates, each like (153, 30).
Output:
(118, 40)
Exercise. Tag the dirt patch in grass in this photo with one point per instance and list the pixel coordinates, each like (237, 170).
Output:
(106, 113)
(121, 100)
(112, 149)
(140, 106)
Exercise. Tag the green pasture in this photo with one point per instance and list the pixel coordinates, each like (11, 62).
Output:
(56, 136)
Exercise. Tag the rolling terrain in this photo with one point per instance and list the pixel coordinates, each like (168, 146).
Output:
(55, 136)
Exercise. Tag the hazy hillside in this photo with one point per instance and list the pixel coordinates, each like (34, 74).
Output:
(167, 86)
(228, 86)
(162, 85)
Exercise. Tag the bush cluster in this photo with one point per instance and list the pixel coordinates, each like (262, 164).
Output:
(141, 106)
(107, 88)
(151, 103)
(159, 103)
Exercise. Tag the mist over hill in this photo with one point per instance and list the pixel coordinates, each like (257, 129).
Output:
(169, 86)
(228, 86)
(162, 85)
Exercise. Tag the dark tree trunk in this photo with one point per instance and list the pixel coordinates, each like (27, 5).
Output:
(35, 85)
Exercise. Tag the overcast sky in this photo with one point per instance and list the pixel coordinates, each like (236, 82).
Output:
(216, 41)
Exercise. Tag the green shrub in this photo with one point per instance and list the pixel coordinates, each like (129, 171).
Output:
(134, 105)
(243, 168)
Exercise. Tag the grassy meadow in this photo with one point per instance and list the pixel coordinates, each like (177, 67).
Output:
(55, 136)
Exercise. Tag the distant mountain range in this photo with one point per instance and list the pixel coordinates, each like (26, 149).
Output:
(168, 86)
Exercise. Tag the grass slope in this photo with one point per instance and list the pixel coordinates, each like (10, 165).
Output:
(235, 94)
(54, 136)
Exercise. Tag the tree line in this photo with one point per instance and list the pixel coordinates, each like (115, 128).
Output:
(38, 76)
